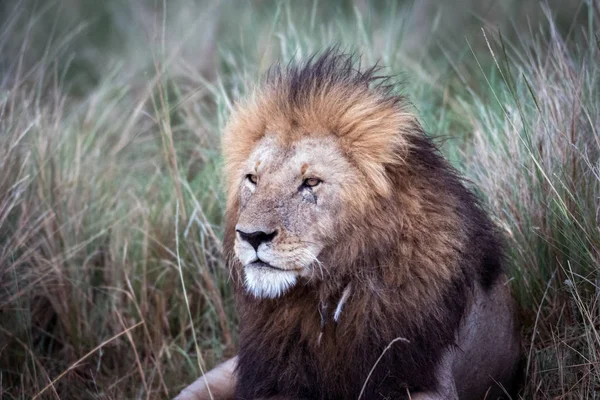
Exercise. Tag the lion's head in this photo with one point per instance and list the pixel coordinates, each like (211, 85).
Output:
(291, 203)
(308, 158)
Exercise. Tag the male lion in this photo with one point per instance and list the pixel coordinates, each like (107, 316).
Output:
(363, 267)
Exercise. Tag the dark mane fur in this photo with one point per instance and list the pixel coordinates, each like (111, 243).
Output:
(331, 68)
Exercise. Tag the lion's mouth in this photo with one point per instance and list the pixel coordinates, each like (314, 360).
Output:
(261, 264)
(265, 266)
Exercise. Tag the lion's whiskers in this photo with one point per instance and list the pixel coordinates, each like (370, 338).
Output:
(314, 260)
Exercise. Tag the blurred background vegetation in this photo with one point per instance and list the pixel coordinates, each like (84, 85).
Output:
(112, 283)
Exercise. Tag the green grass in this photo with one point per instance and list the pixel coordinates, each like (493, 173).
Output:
(112, 283)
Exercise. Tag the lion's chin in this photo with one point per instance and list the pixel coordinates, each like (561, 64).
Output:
(267, 282)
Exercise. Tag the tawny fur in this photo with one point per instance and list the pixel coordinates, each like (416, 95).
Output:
(405, 250)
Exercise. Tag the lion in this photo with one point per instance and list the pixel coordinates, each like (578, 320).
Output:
(363, 266)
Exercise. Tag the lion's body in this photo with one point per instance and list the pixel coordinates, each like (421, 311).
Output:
(379, 280)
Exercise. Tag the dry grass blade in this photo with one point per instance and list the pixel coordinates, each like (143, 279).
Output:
(389, 346)
(74, 365)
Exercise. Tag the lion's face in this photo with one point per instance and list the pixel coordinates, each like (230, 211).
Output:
(291, 197)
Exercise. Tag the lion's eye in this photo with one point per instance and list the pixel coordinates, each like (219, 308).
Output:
(311, 182)
(252, 178)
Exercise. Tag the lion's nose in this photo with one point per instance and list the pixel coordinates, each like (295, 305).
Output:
(256, 238)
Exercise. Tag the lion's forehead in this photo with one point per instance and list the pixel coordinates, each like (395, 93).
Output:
(317, 155)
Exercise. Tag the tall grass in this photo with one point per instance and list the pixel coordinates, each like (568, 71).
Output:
(90, 188)
(536, 156)
(112, 283)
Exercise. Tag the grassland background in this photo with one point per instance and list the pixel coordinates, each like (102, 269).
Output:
(112, 283)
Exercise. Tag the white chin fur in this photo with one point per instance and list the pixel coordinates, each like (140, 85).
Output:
(267, 283)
